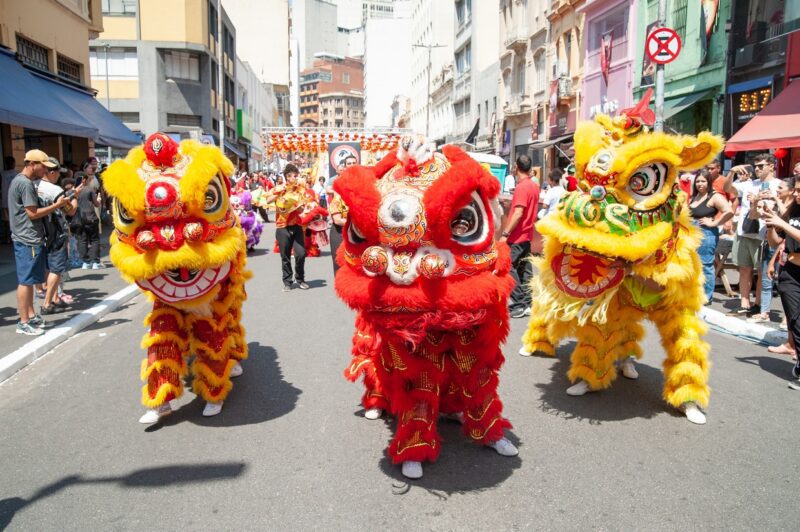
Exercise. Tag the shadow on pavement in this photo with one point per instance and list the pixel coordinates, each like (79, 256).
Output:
(153, 477)
(626, 399)
(317, 283)
(257, 252)
(259, 395)
(462, 467)
(780, 367)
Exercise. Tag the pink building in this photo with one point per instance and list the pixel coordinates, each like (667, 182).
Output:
(609, 40)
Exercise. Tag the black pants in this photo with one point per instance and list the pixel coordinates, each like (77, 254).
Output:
(264, 214)
(789, 289)
(89, 243)
(521, 271)
(292, 238)
(336, 241)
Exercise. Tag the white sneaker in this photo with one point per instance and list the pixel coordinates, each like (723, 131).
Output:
(373, 413)
(98, 266)
(212, 409)
(504, 447)
(412, 469)
(581, 388)
(152, 416)
(628, 368)
(525, 353)
(236, 370)
(693, 413)
(527, 311)
(86, 266)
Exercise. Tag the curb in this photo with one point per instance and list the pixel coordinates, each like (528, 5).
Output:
(34, 349)
(760, 334)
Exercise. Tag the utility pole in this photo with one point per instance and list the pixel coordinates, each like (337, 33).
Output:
(221, 76)
(662, 21)
(430, 47)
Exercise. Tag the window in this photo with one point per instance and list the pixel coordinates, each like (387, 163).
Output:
(214, 76)
(346, 78)
(679, 9)
(68, 69)
(212, 21)
(125, 8)
(567, 54)
(538, 67)
(521, 76)
(127, 117)
(182, 65)
(122, 63)
(183, 120)
(215, 124)
(464, 59)
(33, 54)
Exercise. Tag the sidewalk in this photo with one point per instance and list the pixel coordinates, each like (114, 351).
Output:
(87, 287)
(719, 316)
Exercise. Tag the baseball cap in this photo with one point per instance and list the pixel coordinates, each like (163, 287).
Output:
(38, 156)
(54, 162)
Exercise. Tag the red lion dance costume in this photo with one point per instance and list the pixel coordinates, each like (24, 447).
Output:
(430, 285)
(177, 237)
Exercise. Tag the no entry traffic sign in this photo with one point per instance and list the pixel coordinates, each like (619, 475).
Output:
(663, 45)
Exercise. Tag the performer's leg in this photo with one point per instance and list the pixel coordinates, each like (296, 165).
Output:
(283, 241)
(686, 366)
(536, 337)
(483, 411)
(299, 248)
(164, 366)
(417, 406)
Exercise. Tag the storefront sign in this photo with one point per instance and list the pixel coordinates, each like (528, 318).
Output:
(747, 104)
(608, 107)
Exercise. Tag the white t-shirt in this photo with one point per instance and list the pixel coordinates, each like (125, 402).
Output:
(550, 200)
(752, 186)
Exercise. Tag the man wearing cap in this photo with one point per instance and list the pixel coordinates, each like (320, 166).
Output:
(57, 231)
(27, 232)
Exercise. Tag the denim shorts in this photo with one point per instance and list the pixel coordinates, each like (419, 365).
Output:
(57, 259)
(31, 263)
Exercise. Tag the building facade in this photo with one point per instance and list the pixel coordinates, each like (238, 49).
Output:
(694, 92)
(609, 52)
(387, 64)
(475, 73)
(45, 68)
(158, 75)
(764, 57)
(432, 27)
(514, 87)
(332, 93)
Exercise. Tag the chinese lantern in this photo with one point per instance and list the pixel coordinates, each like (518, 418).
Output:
(780, 153)
(730, 153)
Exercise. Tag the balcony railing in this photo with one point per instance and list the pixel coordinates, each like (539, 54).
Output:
(760, 53)
(517, 38)
(565, 90)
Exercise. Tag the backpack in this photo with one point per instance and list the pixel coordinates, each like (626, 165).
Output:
(55, 230)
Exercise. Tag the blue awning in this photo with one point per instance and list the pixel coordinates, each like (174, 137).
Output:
(36, 102)
(750, 84)
(26, 101)
(235, 149)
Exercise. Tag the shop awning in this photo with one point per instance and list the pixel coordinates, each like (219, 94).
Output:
(674, 106)
(110, 130)
(26, 101)
(551, 142)
(776, 126)
(36, 102)
(235, 149)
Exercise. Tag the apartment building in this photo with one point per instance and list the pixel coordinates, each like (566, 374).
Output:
(475, 74)
(332, 92)
(162, 73)
(432, 50)
(45, 72)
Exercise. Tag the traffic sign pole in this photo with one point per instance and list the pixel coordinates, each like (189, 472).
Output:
(659, 125)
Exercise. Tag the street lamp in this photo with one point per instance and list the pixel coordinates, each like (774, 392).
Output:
(428, 88)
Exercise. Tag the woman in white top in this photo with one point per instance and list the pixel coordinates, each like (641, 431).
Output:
(550, 198)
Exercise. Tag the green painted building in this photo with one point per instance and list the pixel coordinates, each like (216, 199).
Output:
(695, 81)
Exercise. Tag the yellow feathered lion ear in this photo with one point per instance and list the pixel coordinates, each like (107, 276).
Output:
(122, 181)
(699, 151)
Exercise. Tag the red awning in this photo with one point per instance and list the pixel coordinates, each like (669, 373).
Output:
(776, 126)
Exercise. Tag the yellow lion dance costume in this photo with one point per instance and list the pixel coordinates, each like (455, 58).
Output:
(177, 237)
(621, 250)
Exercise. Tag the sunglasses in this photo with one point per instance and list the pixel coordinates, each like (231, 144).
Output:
(761, 165)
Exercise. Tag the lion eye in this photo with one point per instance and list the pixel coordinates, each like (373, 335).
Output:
(647, 180)
(468, 226)
(353, 234)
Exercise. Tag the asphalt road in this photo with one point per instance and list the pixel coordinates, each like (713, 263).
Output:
(291, 450)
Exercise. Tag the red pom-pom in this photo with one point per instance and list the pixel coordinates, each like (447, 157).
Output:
(780, 153)
(729, 153)
(161, 150)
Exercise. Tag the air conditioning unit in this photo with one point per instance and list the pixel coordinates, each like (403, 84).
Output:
(743, 56)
